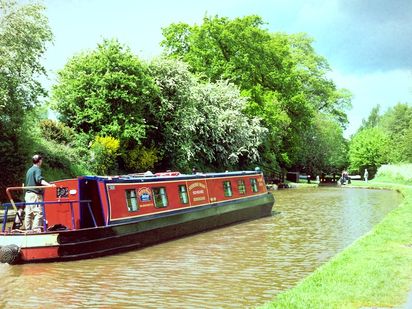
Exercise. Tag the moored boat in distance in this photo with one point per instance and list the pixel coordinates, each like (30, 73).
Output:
(95, 215)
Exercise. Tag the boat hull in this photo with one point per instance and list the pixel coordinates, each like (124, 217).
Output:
(134, 234)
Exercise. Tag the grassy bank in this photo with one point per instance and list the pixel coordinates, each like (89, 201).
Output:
(375, 271)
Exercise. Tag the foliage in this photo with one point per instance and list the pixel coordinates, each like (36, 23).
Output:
(369, 149)
(56, 131)
(141, 158)
(201, 124)
(283, 76)
(326, 148)
(104, 152)
(396, 123)
(373, 118)
(395, 173)
(24, 33)
(170, 117)
(104, 92)
(223, 134)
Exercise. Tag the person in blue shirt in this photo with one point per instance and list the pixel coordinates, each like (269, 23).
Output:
(33, 219)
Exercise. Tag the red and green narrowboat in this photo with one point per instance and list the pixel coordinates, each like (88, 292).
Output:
(94, 215)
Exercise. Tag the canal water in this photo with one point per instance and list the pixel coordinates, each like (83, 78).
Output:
(243, 265)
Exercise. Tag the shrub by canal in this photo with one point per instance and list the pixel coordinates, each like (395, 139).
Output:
(375, 271)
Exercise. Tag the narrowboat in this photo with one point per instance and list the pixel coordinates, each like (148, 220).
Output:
(92, 216)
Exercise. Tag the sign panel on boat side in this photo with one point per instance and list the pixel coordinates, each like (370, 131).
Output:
(198, 192)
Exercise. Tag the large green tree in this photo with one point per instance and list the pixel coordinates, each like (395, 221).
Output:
(373, 118)
(326, 148)
(283, 76)
(24, 34)
(396, 123)
(369, 148)
(104, 91)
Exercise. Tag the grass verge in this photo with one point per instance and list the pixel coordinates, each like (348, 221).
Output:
(375, 271)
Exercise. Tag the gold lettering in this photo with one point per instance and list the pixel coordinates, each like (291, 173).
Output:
(197, 199)
(198, 192)
(197, 184)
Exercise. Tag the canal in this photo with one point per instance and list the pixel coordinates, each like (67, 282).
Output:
(243, 265)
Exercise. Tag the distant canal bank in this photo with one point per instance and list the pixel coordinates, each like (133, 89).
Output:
(374, 272)
(256, 259)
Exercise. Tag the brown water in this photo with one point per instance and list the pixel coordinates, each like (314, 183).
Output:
(243, 265)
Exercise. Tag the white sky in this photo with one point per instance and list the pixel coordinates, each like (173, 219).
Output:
(366, 42)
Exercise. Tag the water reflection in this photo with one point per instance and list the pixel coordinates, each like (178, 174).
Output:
(242, 265)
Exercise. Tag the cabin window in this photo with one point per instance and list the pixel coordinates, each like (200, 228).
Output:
(160, 197)
(184, 199)
(131, 200)
(241, 186)
(253, 184)
(227, 187)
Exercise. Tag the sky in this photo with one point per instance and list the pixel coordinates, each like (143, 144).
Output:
(367, 43)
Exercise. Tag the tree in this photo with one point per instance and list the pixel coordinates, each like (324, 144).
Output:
(326, 148)
(281, 74)
(373, 118)
(104, 92)
(369, 148)
(24, 33)
(200, 124)
(223, 135)
(406, 145)
(396, 122)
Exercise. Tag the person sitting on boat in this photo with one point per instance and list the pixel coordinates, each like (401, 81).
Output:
(33, 219)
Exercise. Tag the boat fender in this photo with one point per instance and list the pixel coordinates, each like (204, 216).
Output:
(9, 254)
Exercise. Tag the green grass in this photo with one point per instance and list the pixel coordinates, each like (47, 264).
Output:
(398, 173)
(375, 271)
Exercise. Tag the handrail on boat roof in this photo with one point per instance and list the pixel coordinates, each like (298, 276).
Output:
(9, 189)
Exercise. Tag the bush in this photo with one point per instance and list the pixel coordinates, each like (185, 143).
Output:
(104, 152)
(56, 131)
(400, 173)
(141, 158)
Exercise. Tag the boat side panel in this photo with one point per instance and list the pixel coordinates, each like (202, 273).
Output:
(117, 203)
(61, 213)
(200, 192)
(40, 253)
(217, 193)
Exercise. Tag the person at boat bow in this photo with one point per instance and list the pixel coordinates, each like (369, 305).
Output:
(33, 219)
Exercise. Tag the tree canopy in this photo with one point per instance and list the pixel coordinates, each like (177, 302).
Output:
(282, 75)
(201, 124)
(158, 111)
(24, 34)
(369, 149)
(105, 91)
(390, 133)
